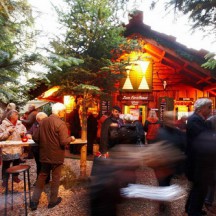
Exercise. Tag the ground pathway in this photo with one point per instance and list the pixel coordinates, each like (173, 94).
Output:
(75, 196)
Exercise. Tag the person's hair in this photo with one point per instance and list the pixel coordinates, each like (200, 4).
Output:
(40, 116)
(152, 114)
(116, 108)
(31, 106)
(10, 113)
(199, 103)
(128, 118)
(11, 106)
(57, 107)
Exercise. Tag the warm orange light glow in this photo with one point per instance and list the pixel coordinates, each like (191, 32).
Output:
(49, 92)
(69, 103)
(138, 68)
(138, 72)
(135, 56)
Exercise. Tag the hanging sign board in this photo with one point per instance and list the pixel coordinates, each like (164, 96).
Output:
(105, 106)
(135, 97)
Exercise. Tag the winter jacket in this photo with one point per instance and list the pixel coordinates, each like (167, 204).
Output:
(128, 134)
(109, 134)
(11, 153)
(196, 125)
(100, 122)
(30, 119)
(151, 128)
(53, 137)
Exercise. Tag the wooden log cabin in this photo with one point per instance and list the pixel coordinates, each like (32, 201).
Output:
(166, 75)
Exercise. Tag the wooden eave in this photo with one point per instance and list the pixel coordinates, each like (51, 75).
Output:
(165, 50)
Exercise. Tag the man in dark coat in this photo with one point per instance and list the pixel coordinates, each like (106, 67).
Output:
(109, 130)
(91, 131)
(35, 149)
(28, 122)
(104, 189)
(196, 125)
(75, 128)
(209, 200)
(53, 137)
(31, 118)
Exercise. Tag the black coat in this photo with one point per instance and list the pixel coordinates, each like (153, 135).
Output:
(173, 136)
(109, 135)
(177, 138)
(128, 134)
(196, 125)
(204, 157)
(131, 133)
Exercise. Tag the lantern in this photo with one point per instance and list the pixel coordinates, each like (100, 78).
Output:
(69, 103)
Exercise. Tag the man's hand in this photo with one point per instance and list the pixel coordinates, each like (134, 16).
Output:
(11, 130)
(113, 125)
(73, 138)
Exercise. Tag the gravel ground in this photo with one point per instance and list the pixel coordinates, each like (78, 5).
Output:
(75, 199)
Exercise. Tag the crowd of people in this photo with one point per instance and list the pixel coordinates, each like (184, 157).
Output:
(51, 135)
(193, 137)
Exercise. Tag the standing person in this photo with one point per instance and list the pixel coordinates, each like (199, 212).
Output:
(75, 128)
(35, 149)
(28, 122)
(211, 122)
(196, 125)
(91, 131)
(151, 126)
(52, 136)
(31, 117)
(109, 130)
(100, 122)
(10, 129)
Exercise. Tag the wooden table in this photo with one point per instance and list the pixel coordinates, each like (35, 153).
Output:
(12, 143)
(83, 157)
(30, 142)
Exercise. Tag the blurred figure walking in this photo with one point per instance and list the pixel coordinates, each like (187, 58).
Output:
(181, 124)
(170, 134)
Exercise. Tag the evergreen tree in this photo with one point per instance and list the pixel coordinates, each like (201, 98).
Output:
(83, 53)
(203, 16)
(15, 38)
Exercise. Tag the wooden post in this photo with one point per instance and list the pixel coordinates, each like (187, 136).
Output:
(83, 160)
(83, 157)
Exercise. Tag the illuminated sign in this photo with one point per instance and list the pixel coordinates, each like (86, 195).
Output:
(135, 97)
(138, 75)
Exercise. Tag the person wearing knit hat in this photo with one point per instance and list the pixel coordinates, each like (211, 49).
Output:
(109, 130)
